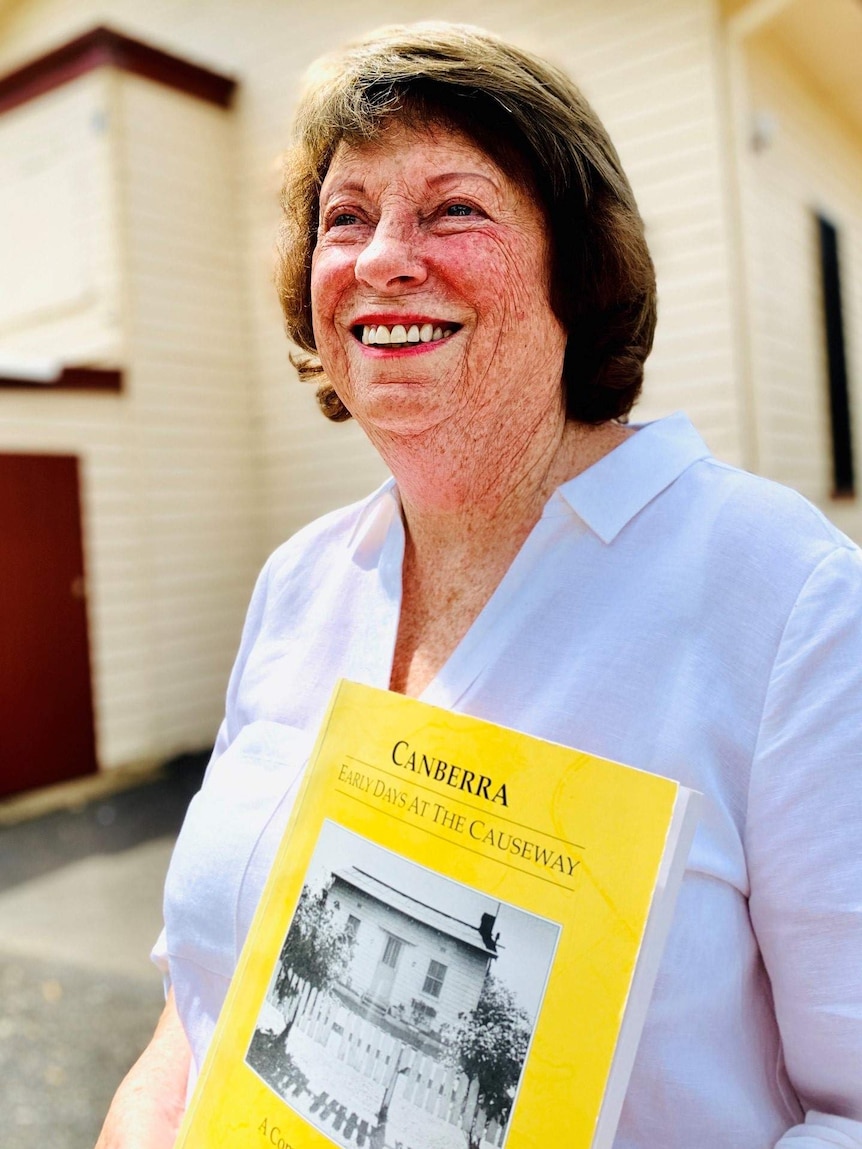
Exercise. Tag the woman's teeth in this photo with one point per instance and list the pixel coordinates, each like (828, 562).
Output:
(399, 335)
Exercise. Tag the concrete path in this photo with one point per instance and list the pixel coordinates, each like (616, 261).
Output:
(80, 906)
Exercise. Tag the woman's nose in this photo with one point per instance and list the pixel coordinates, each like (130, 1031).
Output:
(392, 259)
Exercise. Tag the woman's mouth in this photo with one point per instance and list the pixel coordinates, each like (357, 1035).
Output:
(402, 335)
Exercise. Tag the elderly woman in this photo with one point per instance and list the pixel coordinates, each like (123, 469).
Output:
(465, 268)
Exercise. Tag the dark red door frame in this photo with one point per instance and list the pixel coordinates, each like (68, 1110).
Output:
(46, 706)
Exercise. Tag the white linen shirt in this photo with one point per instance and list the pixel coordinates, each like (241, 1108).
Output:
(668, 611)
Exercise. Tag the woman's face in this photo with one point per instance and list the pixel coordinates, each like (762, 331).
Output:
(430, 286)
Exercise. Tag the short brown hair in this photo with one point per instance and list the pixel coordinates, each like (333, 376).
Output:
(521, 111)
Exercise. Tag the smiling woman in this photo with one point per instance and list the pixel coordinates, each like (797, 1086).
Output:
(422, 231)
(523, 118)
(464, 270)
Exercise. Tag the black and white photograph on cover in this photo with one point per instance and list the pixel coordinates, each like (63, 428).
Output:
(401, 1008)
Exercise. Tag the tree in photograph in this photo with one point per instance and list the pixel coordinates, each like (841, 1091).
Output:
(316, 951)
(489, 1046)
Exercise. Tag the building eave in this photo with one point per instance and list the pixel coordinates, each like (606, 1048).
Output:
(437, 920)
(105, 47)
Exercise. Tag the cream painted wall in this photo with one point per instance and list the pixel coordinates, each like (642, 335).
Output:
(217, 453)
(650, 67)
(59, 237)
(170, 503)
(813, 162)
(190, 390)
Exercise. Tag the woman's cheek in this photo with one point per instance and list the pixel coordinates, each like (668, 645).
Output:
(328, 288)
(331, 271)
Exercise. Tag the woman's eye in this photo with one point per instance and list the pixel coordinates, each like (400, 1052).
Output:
(459, 209)
(343, 219)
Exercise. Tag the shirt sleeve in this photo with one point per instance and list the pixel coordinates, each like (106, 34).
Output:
(803, 847)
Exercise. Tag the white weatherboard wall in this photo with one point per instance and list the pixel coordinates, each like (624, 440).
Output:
(652, 72)
(59, 285)
(168, 491)
(215, 453)
(812, 162)
(189, 387)
(650, 66)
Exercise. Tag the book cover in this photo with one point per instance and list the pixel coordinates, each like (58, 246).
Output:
(456, 945)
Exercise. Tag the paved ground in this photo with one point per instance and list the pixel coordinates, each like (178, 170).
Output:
(80, 905)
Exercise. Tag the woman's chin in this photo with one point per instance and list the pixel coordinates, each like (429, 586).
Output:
(398, 409)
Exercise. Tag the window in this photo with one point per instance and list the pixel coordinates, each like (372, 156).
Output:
(351, 927)
(836, 360)
(434, 978)
(393, 949)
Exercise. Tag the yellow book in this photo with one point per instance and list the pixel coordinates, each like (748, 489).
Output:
(455, 948)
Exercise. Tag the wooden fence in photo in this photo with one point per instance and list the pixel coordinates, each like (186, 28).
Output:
(439, 1089)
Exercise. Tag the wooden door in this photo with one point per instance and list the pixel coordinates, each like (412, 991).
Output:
(384, 975)
(46, 709)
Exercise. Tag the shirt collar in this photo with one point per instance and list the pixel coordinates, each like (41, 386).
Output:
(606, 496)
(375, 514)
(609, 494)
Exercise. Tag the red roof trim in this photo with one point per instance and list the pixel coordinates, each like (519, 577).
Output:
(71, 379)
(101, 47)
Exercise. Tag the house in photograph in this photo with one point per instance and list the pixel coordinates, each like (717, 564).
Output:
(155, 444)
(410, 961)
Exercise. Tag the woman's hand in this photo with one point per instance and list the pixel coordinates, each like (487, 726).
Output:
(148, 1106)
